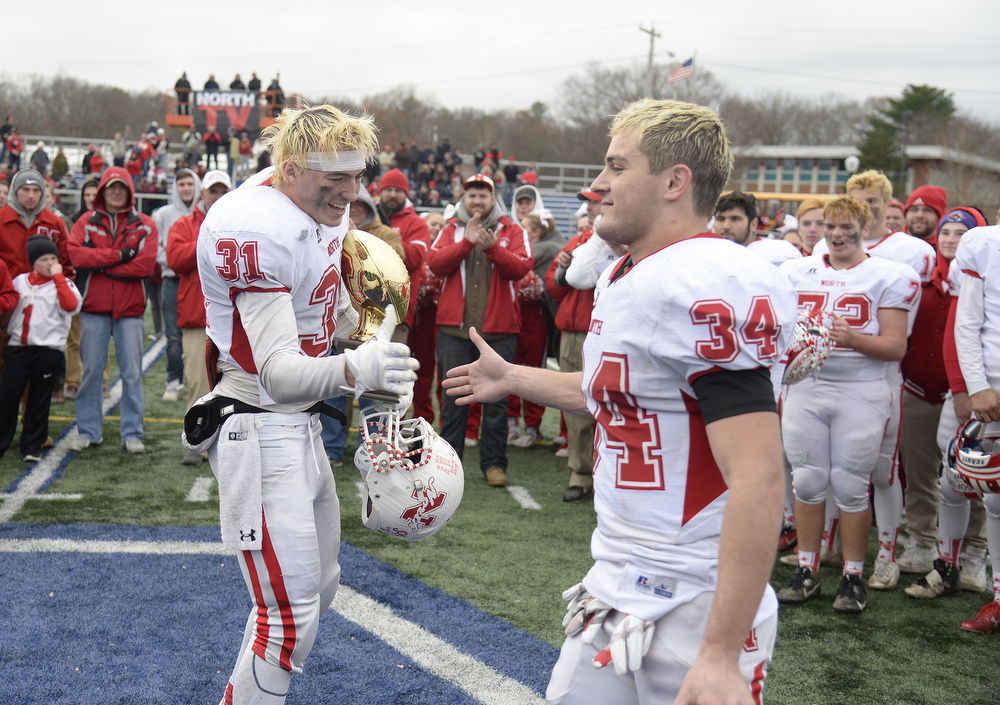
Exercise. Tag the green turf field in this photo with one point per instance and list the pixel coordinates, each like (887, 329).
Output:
(514, 562)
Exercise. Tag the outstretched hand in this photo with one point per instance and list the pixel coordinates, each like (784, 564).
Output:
(485, 380)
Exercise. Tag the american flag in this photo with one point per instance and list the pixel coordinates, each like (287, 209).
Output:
(681, 71)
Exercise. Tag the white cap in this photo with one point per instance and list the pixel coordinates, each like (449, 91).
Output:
(216, 177)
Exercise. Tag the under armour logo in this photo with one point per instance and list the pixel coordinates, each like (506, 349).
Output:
(248, 535)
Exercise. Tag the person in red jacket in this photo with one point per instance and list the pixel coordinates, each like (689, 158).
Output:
(925, 386)
(113, 248)
(481, 255)
(573, 321)
(396, 210)
(182, 257)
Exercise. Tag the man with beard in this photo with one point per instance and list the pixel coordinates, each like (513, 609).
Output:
(735, 214)
(924, 208)
(481, 255)
(396, 210)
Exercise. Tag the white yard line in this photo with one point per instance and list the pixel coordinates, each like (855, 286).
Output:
(201, 490)
(522, 497)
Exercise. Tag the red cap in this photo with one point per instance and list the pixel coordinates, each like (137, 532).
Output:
(589, 196)
(396, 179)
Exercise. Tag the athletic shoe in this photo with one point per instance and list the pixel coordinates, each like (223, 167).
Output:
(134, 446)
(496, 477)
(575, 493)
(826, 557)
(526, 439)
(972, 576)
(788, 537)
(918, 558)
(48, 442)
(563, 452)
(559, 441)
(886, 575)
(71, 391)
(471, 442)
(31, 458)
(943, 580)
(804, 584)
(988, 619)
(80, 443)
(513, 433)
(851, 595)
(192, 458)
(173, 390)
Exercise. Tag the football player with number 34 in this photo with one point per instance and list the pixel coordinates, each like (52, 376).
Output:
(270, 261)
(678, 375)
(833, 422)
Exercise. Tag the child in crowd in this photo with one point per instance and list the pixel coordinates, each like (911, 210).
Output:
(34, 357)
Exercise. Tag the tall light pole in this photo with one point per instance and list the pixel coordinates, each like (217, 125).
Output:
(653, 34)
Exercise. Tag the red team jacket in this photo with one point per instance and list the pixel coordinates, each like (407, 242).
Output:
(14, 236)
(113, 287)
(182, 257)
(415, 236)
(575, 305)
(511, 260)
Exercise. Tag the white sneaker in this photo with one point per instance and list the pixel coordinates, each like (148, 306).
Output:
(562, 453)
(471, 442)
(173, 390)
(134, 446)
(526, 439)
(918, 558)
(559, 440)
(513, 430)
(973, 564)
(80, 443)
(886, 575)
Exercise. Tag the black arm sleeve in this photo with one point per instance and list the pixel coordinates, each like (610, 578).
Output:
(726, 393)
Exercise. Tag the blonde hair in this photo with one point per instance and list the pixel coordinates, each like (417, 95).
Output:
(808, 205)
(672, 132)
(532, 220)
(848, 207)
(871, 179)
(322, 128)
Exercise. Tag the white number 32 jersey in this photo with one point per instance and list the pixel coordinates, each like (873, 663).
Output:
(694, 307)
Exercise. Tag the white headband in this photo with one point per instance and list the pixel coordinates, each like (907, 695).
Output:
(335, 161)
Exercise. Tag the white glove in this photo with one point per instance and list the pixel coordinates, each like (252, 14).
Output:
(575, 596)
(629, 642)
(379, 364)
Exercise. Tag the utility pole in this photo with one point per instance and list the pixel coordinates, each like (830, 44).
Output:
(653, 34)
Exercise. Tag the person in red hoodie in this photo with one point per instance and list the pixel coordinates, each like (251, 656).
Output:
(113, 248)
(182, 257)
(481, 254)
(925, 387)
(396, 210)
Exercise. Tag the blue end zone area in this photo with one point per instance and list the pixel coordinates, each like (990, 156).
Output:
(114, 627)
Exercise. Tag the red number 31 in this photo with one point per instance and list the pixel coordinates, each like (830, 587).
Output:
(760, 329)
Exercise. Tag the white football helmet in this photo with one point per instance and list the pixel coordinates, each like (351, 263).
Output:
(809, 349)
(977, 457)
(413, 480)
(957, 482)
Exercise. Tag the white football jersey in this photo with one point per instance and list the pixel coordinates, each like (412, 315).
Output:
(774, 251)
(979, 256)
(898, 247)
(855, 294)
(256, 239)
(693, 307)
(39, 319)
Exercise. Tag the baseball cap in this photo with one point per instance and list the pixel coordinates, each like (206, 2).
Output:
(216, 177)
(589, 196)
(478, 180)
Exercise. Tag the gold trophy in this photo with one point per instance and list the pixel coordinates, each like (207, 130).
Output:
(378, 284)
(375, 277)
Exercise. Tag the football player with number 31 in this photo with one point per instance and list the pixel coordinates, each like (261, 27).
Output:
(688, 482)
(833, 422)
(270, 262)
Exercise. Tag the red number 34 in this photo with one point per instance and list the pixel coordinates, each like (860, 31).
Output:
(760, 329)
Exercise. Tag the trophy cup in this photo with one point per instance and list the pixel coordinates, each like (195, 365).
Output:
(378, 284)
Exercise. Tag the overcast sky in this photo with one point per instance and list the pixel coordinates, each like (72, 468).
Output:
(510, 54)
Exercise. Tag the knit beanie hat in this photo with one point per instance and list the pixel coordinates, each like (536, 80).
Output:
(395, 178)
(933, 197)
(38, 245)
(967, 216)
